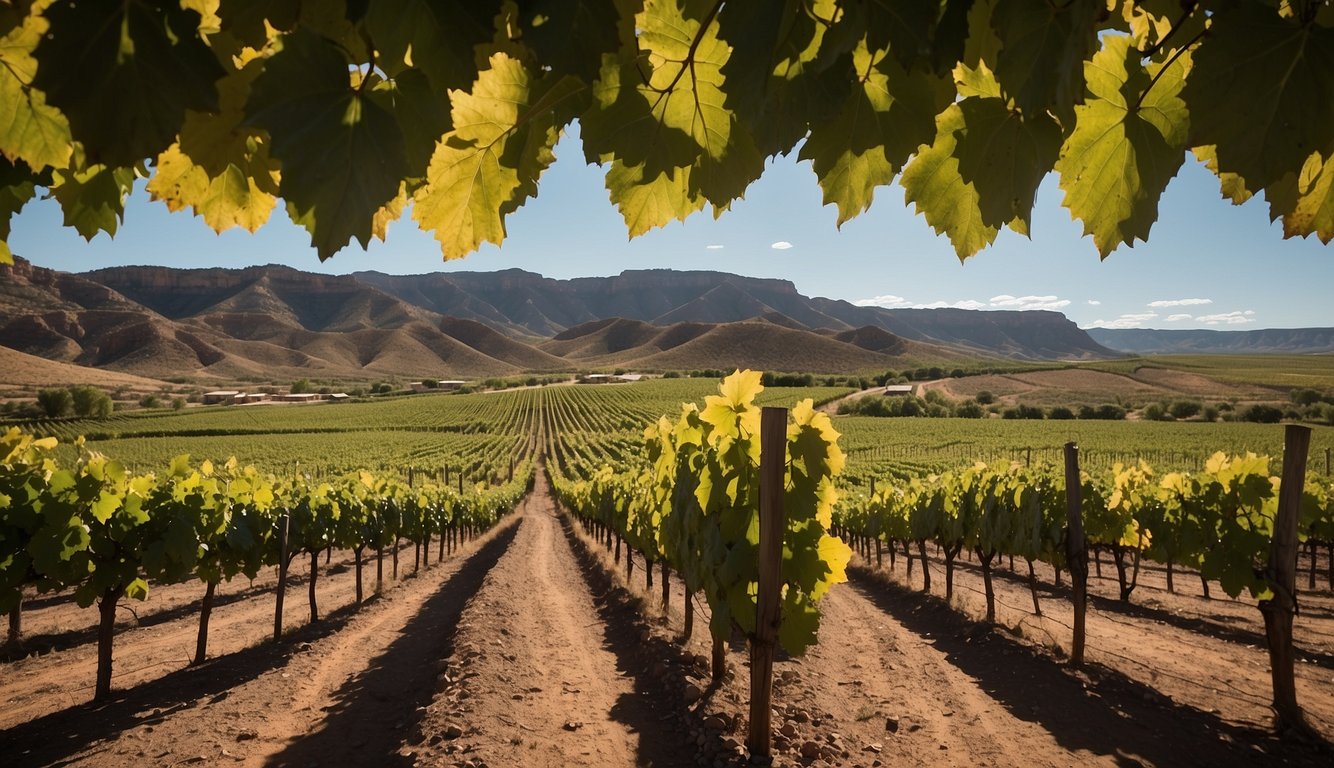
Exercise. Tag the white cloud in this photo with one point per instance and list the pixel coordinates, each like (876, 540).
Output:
(1180, 302)
(1177, 318)
(1094, 303)
(962, 304)
(714, 247)
(1135, 320)
(882, 301)
(1228, 318)
(1006, 301)
(781, 245)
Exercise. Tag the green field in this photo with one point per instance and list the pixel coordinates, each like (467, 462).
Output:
(600, 422)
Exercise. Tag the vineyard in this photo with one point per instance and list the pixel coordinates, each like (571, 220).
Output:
(568, 575)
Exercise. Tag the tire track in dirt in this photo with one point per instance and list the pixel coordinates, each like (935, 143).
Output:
(535, 680)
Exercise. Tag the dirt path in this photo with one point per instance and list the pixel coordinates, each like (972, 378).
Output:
(538, 678)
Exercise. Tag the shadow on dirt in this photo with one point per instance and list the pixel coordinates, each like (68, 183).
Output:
(1099, 709)
(377, 710)
(656, 711)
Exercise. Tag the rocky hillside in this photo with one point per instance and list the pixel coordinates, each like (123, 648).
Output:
(278, 322)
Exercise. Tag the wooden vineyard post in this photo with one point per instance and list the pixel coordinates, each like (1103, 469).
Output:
(1076, 555)
(282, 577)
(1281, 574)
(773, 465)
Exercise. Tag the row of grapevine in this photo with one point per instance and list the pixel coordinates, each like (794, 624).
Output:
(1216, 521)
(1221, 522)
(690, 499)
(105, 533)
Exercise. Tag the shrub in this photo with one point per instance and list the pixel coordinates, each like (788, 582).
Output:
(1060, 412)
(970, 410)
(1155, 412)
(1184, 409)
(1305, 396)
(91, 402)
(300, 386)
(985, 397)
(1262, 414)
(55, 402)
(150, 401)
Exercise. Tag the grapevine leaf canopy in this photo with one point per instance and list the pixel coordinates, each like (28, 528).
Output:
(350, 112)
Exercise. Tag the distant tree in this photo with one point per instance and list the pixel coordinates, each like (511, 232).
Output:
(970, 410)
(1060, 412)
(177, 403)
(1209, 413)
(150, 401)
(91, 402)
(1305, 396)
(1155, 412)
(985, 397)
(55, 402)
(1185, 409)
(300, 386)
(1262, 414)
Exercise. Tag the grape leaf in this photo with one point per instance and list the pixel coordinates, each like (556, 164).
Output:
(1313, 210)
(1262, 92)
(93, 199)
(1005, 156)
(1233, 187)
(233, 198)
(646, 202)
(215, 140)
(881, 124)
(906, 27)
(30, 129)
(571, 36)
(1044, 45)
(422, 113)
(435, 37)
(342, 154)
(124, 74)
(486, 165)
(246, 19)
(1127, 145)
(932, 183)
(666, 108)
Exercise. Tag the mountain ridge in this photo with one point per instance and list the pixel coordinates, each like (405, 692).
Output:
(277, 321)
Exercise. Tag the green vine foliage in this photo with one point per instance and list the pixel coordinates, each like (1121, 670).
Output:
(695, 501)
(350, 112)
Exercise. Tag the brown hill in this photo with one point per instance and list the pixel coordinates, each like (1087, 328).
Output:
(496, 345)
(876, 339)
(757, 344)
(30, 371)
(765, 346)
(269, 322)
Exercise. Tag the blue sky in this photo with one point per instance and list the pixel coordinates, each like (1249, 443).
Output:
(1208, 264)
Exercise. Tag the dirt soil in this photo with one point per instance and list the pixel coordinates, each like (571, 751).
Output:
(529, 647)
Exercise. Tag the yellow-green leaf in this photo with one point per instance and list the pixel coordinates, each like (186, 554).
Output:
(932, 183)
(31, 130)
(1127, 145)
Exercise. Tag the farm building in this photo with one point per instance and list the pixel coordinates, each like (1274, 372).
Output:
(223, 396)
(898, 389)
